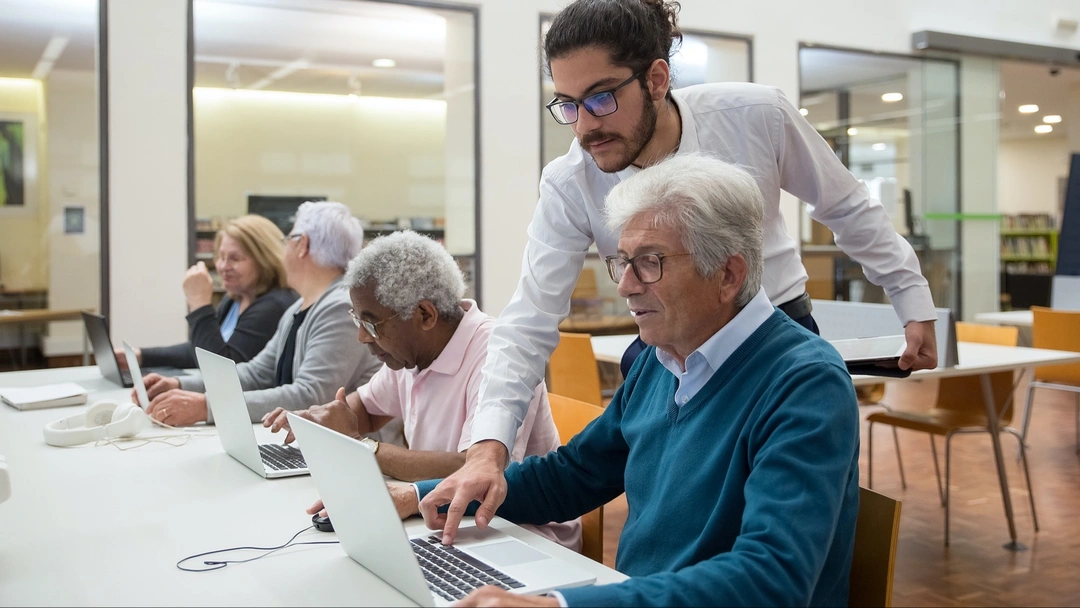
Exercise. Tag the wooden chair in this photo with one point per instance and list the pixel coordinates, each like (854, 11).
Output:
(571, 416)
(585, 299)
(960, 409)
(1057, 330)
(874, 557)
(572, 370)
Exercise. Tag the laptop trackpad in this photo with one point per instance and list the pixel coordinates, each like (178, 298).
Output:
(507, 553)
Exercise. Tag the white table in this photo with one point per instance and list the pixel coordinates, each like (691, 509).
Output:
(1017, 318)
(99, 526)
(974, 360)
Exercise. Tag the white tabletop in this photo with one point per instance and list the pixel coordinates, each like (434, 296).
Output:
(1018, 318)
(99, 526)
(974, 358)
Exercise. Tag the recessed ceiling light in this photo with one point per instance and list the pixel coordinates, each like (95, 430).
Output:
(1043, 129)
(1029, 108)
(384, 63)
(804, 111)
(892, 97)
(878, 147)
(852, 131)
(1052, 119)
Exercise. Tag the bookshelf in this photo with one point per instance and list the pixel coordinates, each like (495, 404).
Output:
(1029, 244)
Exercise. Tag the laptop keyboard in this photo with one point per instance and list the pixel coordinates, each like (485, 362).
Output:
(281, 457)
(452, 574)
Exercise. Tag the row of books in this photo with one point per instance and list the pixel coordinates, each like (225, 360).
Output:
(1025, 247)
(1028, 268)
(1028, 221)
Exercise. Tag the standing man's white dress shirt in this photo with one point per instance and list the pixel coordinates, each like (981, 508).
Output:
(750, 125)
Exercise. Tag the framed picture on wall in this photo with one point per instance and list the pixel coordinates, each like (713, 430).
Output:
(18, 163)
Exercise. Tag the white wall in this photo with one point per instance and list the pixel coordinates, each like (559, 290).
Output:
(148, 139)
(509, 97)
(1028, 171)
(74, 260)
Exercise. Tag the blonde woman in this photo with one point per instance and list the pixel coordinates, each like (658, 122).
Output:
(249, 259)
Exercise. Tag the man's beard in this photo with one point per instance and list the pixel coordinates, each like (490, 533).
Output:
(634, 145)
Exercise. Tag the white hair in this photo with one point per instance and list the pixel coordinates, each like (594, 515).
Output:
(716, 206)
(334, 235)
(405, 268)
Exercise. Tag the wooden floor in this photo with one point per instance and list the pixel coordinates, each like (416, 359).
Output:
(974, 570)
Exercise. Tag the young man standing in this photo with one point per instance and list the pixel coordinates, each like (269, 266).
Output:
(609, 60)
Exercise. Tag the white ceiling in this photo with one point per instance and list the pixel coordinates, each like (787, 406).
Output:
(866, 76)
(321, 46)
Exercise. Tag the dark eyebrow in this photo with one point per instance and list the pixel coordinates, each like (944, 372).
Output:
(606, 83)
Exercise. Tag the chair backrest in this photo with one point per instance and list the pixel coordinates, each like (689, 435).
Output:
(572, 370)
(872, 562)
(571, 416)
(963, 393)
(1057, 330)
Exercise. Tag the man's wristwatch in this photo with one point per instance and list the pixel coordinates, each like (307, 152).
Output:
(370, 444)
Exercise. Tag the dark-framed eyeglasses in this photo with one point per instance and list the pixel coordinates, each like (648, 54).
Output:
(648, 267)
(369, 327)
(597, 104)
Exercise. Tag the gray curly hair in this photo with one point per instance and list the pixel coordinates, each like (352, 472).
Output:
(405, 268)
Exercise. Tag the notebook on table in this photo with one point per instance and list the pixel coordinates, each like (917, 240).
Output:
(873, 356)
(225, 398)
(40, 397)
(354, 492)
(105, 355)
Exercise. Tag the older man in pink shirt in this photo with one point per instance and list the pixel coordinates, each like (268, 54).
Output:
(407, 293)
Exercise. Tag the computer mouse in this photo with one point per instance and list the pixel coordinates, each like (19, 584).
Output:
(322, 524)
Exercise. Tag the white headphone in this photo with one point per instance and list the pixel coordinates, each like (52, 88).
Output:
(103, 420)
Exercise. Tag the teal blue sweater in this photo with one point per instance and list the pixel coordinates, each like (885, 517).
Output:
(746, 495)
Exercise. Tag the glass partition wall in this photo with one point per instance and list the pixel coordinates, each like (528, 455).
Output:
(703, 57)
(892, 120)
(372, 104)
(50, 239)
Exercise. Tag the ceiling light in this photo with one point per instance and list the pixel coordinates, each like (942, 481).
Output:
(804, 111)
(1043, 129)
(384, 63)
(878, 147)
(1029, 108)
(892, 97)
(852, 131)
(1052, 119)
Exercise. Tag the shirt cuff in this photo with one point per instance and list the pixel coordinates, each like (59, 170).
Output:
(558, 597)
(914, 304)
(495, 422)
(417, 490)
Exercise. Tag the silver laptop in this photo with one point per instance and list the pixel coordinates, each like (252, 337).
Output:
(136, 375)
(105, 356)
(225, 397)
(363, 514)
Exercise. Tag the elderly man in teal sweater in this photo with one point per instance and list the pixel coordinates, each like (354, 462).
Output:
(735, 436)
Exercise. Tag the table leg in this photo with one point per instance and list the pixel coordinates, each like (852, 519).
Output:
(22, 344)
(85, 348)
(999, 460)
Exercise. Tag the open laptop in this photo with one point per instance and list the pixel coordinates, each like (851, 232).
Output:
(354, 492)
(225, 398)
(136, 375)
(105, 355)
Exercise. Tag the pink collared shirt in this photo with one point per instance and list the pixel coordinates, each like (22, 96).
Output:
(437, 405)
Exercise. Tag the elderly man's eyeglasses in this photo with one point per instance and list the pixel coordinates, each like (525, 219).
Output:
(597, 104)
(369, 327)
(289, 237)
(648, 267)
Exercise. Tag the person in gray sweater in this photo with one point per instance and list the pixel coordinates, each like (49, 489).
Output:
(314, 350)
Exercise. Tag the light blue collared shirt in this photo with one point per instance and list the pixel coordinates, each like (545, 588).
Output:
(703, 362)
